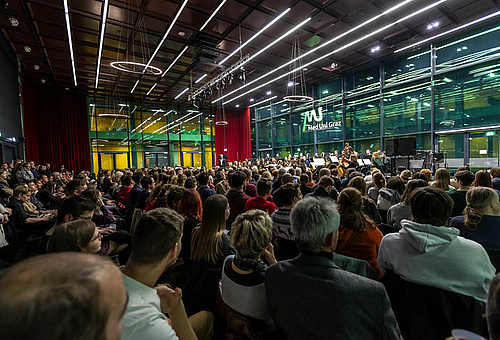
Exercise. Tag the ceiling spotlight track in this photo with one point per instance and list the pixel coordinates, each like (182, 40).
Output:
(392, 9)
(336, 51)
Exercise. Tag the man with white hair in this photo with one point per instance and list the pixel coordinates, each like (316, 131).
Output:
(310, 297)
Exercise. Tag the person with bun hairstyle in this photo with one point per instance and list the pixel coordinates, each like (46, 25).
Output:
(358, 236)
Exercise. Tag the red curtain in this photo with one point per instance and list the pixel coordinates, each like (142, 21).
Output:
(56, 127)
(235, 136)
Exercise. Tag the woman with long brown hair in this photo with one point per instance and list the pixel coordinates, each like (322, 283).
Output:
(358, 236)
(442, 179)
(209, 243)
(191, 209)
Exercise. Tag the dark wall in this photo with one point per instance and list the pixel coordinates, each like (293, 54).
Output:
(10, 114)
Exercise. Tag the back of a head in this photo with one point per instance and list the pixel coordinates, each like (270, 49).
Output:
(406, 175)
(419, 175)
(174, 195)
(478, 199)
(350, 204)
(325, 182)
(358, 183)
(92, 194)
(190, 183)
(431, 205)
(136, 177)
(288, 192)
(56, 297)
(324, 172)
(396, 183)
(155, 234)
(146, 181)
(73, 185)
(442, 179)
(287, 178)
(237, 179)
(410, 187)
(126, 180)
(379, 180)
(251, 232)
(355, 174)
(281, 172)
(465, 176)
(264, 187)
(483, 179)
(203, 178)
(76, 206)
(71, 236)
(190, 204)
(313, 219)
(427, 173)
(304, 179)
(495, 172)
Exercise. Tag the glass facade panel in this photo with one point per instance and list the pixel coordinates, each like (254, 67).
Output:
(360, 146)
(407, 109)
(300, 134)
(363, 117)
(362, 80)
(452, 146)
(329, 147)
(330, 127)
(265, 134)
(483, 149)
(283, 152)
(402, 68)
(468, 97)
(281, 131)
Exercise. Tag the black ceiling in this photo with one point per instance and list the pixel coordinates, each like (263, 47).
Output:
(135, 27)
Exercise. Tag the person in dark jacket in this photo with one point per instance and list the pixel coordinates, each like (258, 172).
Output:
(333, 194)
(236, 196)
(250, 188)
(304, 188)
(203, 188)
(276, 194)
(323, 188)
(136, 189)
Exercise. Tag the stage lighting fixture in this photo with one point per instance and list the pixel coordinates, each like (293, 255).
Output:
(209, 92)
(230, 78)
(375, 49)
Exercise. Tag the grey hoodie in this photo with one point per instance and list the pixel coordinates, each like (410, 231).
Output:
(437, 257)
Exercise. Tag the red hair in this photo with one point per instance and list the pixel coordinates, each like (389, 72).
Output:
(190, 204)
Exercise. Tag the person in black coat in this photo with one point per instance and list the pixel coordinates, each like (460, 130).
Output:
(324, 188)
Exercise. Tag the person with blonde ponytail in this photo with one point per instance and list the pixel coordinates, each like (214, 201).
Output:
(481, 218)
(358, 236)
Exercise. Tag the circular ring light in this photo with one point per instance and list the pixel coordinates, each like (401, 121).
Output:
(301, 99)
(221, 122)
(130, 66)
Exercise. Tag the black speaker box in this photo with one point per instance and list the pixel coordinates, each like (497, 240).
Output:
(407, 146)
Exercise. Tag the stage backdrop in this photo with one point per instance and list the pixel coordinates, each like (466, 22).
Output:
(235, 136)
(56, 127)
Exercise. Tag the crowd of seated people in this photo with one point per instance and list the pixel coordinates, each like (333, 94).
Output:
(292, 252)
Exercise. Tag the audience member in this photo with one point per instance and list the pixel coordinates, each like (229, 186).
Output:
(323, 188)
(402, 210)
(427, 253)
(243, 274)
(156, 245)
(304, 188)
(391, 194)
(465, 179)
(483, 179)
(236, 196)
(369, 207)
(341, 305)
(260, 202)
(442, 179)
(75, 187)
(250, 188)
(379, 183)
(62, 296)
(495, 175)
(203, 189)
(174, 196)
(190, 207)
(405, 176)
(78, 235)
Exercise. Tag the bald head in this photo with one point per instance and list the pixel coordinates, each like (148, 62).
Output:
(62, 296)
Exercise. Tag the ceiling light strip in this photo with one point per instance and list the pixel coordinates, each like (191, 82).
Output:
(339, 49)
(166, 33)
(135, 85)
(70, 40)
(101, 40)
(317, 48)
(184, 121)
(450, 31)
(175, 60)
(151, 89)
(213, 14)
(165, 128)
(180, 94)
(255, 35)
(199, 79)
(264, 101)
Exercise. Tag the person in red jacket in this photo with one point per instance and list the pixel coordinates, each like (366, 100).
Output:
(260, 202)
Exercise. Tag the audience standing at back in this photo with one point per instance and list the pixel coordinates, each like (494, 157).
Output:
(236, 196)
(260, 202)
(203, 188)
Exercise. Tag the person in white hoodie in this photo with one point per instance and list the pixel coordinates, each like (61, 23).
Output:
(428, 253)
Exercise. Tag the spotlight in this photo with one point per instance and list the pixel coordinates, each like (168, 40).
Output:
(237, 105)
(222, 84)
(268, 93)
(36, 67)
(14, 22)
(251, 100)
(27, 49)
(375, 49)
(432, 25)
(209, 92)
(290, 84)
(43, 81)
(240, 76)
(230, 78)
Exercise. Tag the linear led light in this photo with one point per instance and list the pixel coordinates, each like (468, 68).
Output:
(338, 50)
(494, 127)
(151, 89)
(317, 48)
(166, 114)
(255, 35)
(175, 60)
(166, 33)
(180, 94)
(450, 31)
(70, 40)
(199, 79)
(171, 123)
(264, 101)
(213, 14)
(138, 126)
(182, 122)
(154, 121)
(135, 85)
(101, 41)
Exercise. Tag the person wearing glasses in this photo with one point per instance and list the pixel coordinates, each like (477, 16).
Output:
(78, 235)
(71, 209)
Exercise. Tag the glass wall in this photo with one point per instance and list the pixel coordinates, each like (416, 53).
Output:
(128, 134)
(446, 95)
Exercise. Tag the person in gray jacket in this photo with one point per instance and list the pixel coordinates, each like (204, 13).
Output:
(310, 297)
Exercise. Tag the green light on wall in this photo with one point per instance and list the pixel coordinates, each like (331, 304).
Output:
(325, 91)
(490, 133)
(492, 75)
(448, 80)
